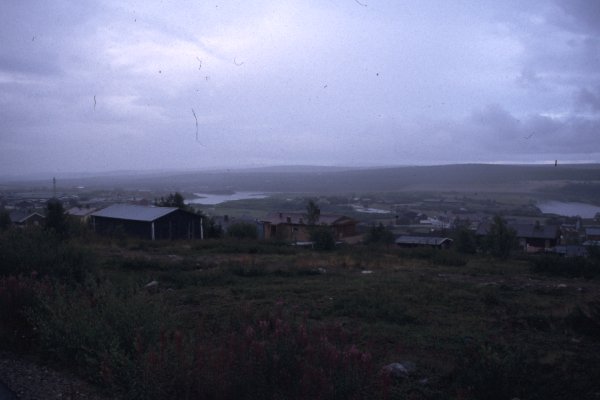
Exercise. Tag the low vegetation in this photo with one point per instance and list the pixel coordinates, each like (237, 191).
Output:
(242, 319)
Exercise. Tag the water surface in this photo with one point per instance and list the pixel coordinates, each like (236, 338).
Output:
(573, 209)
(212, 199)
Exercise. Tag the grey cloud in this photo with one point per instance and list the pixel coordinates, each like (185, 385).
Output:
(322, 82)
(582, 15)
(588, 99)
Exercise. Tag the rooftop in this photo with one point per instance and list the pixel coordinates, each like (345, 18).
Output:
(423, 240)
(134, 213)
(302, 219)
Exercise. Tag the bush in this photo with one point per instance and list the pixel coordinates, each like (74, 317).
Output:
(500, 371)
(436, 256)
(270, 358)
(568, 267)
(18, 295)
(243, 230)
(95, 326)
(322, 238)
(23, 251)
(492, 371)
(465, 240)
(379, 235)
(500, 239)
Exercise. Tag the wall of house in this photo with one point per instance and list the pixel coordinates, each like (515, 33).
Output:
(177, 225)
(111, 226)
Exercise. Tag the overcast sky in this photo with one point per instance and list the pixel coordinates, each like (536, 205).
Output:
(125, 85)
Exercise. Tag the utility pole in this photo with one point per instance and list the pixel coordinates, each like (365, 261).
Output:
(54, 187)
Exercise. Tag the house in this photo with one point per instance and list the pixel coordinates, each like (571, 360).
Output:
(424, 241)
(80, 213)
(26, 218)
(295, 227)
(592, 233)
(571, 250)
(532, 238)
(152, 223)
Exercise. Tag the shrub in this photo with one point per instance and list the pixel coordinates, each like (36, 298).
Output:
(436, 256)
(568, 267)
(379, 235)
(91, 327)
(271, 358)
(492, 371)
(322, 238)
(23, 251)
(500, 239)
(18, 295)
(500, 371)
(243, 230)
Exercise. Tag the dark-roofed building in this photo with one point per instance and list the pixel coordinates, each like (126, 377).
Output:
(424, 241)
(294, 226)
(592, 233)
(152, 223)
(571, 250)
(26, 218)
(532, 238)
(80, 213)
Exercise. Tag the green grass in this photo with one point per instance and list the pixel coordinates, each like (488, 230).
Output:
(462, 323)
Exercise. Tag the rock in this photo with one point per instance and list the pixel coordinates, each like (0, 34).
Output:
(366, 271)
(399, 370)
(322, 270)
(152, 287)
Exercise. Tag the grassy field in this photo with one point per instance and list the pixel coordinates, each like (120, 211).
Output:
(231, 319)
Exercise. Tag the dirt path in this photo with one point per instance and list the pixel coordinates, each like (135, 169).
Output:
(30, 381)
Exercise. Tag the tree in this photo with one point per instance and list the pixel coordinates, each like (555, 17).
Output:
(500, 239)
(465, 240)
(173, 200)
(56, 220)
(243, 230)
(379, 234)
(313, 212)
(212, 230)
(4, 220)
(322, 238)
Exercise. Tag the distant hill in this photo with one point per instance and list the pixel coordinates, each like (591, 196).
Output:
(315, 179)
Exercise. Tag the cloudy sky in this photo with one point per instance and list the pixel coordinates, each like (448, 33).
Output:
(129, 85)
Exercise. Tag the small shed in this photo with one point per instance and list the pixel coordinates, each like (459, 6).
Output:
(424, 241)
(147, 222)
(26, 218)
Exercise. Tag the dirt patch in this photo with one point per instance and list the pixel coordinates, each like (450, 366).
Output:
(30, 380)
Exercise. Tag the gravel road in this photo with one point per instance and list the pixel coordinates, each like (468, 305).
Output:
(28, 380)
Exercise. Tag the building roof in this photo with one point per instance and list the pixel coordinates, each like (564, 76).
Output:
(423, 240)
(531, 231)
(570, 250)
(302, 219)
(134, 213)
(592, 231)
(20, 216)
(80, 211)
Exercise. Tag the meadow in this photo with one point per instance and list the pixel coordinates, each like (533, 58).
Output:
(229, 319)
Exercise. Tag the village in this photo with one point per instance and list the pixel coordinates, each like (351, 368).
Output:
(424, 294)
(415, 220)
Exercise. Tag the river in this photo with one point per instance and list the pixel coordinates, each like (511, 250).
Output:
(212, 199)
(583, 210)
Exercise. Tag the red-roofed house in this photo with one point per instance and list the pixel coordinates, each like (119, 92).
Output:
(294, 226)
